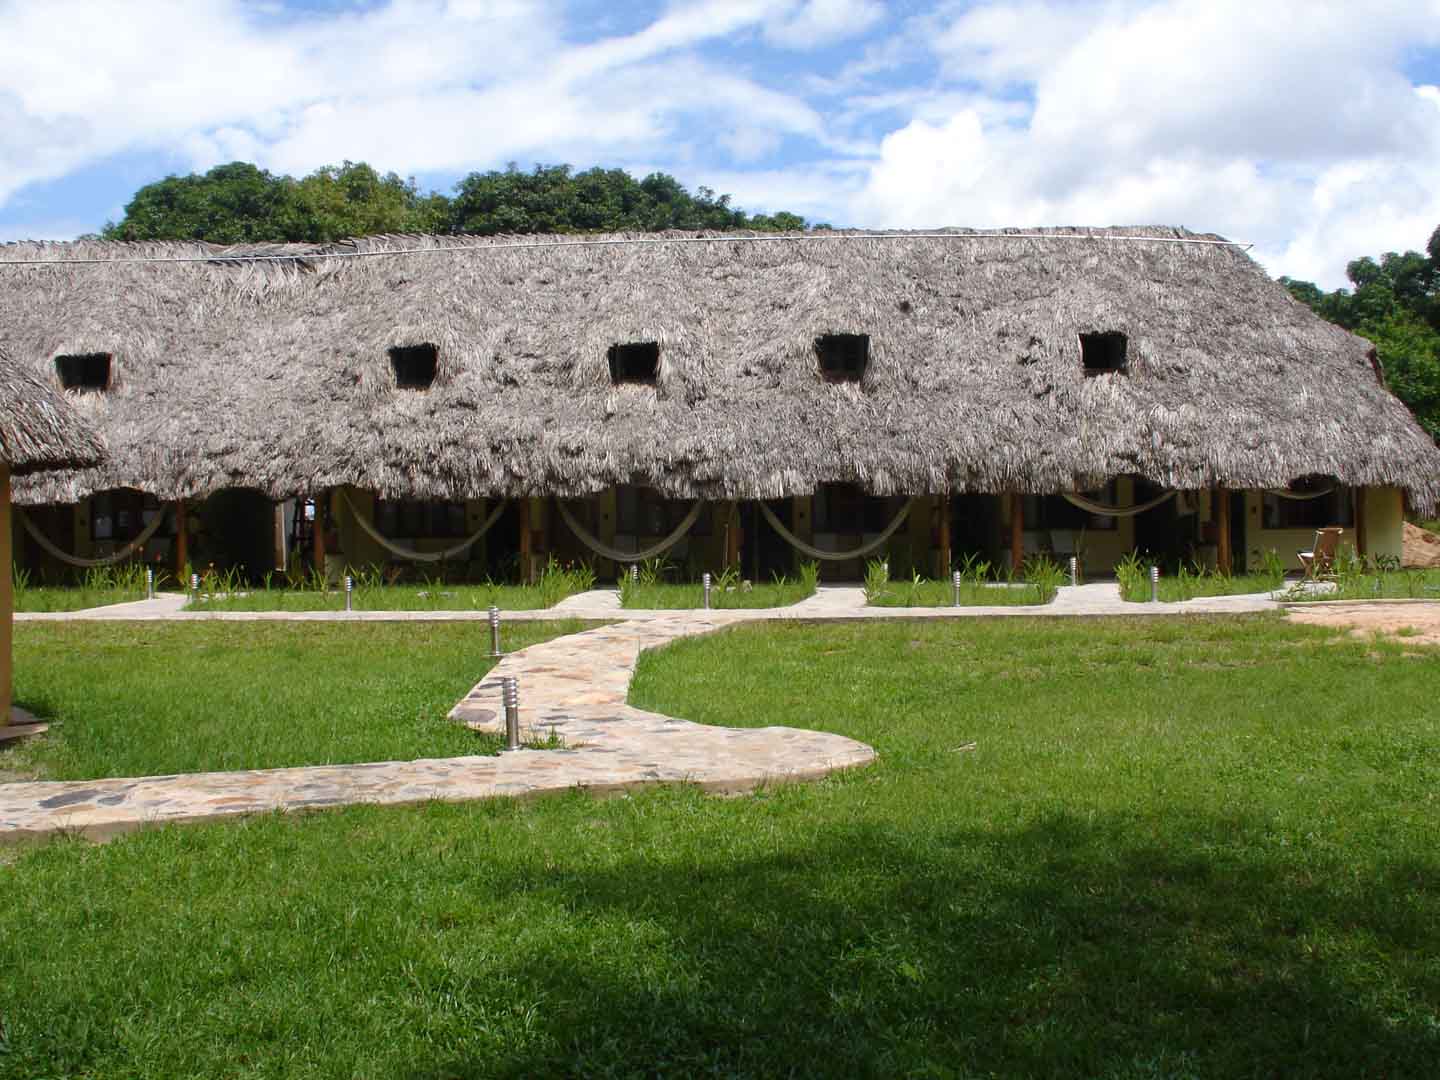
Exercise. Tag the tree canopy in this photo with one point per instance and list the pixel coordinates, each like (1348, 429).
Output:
(241, 203)
(1395, 303)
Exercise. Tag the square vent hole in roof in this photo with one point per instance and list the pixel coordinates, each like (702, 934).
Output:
(843, 357)
(84, 371)
(414, 366)
(1103, 353)
(636, 362)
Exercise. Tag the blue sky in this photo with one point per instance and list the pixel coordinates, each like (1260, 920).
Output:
(1310, 128)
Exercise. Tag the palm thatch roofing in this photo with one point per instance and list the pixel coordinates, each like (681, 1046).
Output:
(39, 429)
(275, 375)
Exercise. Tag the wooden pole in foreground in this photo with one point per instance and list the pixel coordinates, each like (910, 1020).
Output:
(182, 542)
(1224, 559)
(7, 599)
(1017, 531)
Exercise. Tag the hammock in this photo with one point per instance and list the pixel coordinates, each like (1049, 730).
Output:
(1298, 496)
(1114, 511)
(608, 552)
(836, 556)
(423, 556)
(75, 560)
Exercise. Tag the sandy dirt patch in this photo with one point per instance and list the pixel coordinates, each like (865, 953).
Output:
(1416, 624)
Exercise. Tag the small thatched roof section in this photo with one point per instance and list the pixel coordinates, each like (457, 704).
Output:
(38, 429)
(277, 374)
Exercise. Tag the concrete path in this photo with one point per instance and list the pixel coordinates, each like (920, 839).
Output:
(572, 687)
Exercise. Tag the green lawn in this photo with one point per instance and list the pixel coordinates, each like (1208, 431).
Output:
(135, 699)
(1121, 848)
(1188, 586)
(930, 593)
(71, 598)
(429, 597)
(661, 595)
(1390, 585)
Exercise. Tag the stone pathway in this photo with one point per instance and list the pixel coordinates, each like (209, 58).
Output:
(572, 687)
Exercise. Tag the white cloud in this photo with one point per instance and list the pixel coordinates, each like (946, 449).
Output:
(1290, 125)
(822, 22)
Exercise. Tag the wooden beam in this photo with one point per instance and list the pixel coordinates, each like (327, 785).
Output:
(1017, 531)
(732, 538)
(1224, 558)
(1362, 540)
(944, 570)
(525, 556)
(278, 536)
(7, 598)
(182, 542)
(317, 533)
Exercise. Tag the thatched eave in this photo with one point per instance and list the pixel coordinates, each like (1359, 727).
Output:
(268, 367)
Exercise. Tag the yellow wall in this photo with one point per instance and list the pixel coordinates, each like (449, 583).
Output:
(1384, 535)
(1384, 520)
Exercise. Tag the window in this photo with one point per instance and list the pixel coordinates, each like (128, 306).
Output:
(1058, 512)
(414, 366)
(842, 357)
(637, 362)
(844, 508)
(121, 516)
(84, 371)
(643, 511)
(1334, 508)
(414, 519)
(1101, 354)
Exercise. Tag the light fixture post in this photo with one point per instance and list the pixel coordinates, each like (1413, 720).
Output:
(1154, 584)
(955, 584)
(705, 579)
(1074, 571)
(510, 693)
(495, 632)
(149, 583)
(349, 591)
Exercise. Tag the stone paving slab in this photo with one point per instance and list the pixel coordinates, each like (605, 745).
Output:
(573, 688)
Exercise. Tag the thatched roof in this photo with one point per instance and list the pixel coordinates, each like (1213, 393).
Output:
(39, 430)
(275, 375)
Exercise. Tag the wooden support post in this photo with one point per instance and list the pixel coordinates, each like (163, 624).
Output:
(317, 532)
(1224, 559)
(944, 570)
(1017, 531)
(732, 537)
(182, 542)
(1362, 541)
(7, 598)
(525, 556)
(278, 536)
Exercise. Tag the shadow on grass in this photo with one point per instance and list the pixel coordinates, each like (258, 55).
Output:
(1062, 948)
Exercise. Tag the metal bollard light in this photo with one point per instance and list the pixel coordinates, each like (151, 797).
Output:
(1154, 584)
(1074, 571)
(705, 579)
(955, 582)
(195, 585)
(349, 590)
(635, 573)
(495, 631)
(510, 694)
(149, 584)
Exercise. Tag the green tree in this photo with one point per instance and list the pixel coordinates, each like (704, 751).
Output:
(230, 204)
(1396, 304)
(553, 199)
(239, 203)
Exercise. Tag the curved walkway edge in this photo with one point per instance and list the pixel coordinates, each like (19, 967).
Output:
(573, 688)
